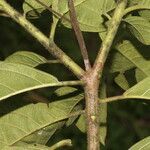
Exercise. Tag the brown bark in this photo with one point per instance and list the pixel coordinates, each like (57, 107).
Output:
(92, 110)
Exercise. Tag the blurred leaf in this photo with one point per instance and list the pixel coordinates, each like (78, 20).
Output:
(72, 119)
(122, 81)
(28, 119)
(26, 58)
(128, 50)
(141, 90)
(142, 145)
(120, 63)
(85, 12)
(140, 28)
(145, 14)
(139, 75)
(103, 115)
(17, 78)
(32, 9)
(81, 123)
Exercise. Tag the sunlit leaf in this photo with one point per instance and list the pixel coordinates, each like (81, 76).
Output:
(142, 145)
(141, 90)
(17, 78)
(26, 58)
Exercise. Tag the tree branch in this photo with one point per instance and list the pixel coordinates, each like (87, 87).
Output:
(79, 36)
(51, 47)
(111, 32)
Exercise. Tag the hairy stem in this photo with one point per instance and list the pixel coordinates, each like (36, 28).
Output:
(91, 79)
(92, 110)
(111, 32)
(50, 46)
(79, 35)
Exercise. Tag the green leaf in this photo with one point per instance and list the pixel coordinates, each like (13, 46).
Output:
(32, 9)
(17, 78)
(103, 115)
(81, 123)
(24, 121)
(26, 58)
(27, 147)
(122, 81)
(85, 12)
(142, 145)
(42, 136)
(120, 63)
(141, 90)
(139, 75)
(128, 50)
(72, 119)
(140, 28)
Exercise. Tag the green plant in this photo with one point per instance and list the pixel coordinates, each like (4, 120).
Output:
(124, 30)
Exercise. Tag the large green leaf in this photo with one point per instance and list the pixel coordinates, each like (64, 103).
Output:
(85, 12)
(142, 145)
(32, 9)
(24, 121)
(42, 136)
(141, 90)
(140, 28)
(26, 58)
(17, 78)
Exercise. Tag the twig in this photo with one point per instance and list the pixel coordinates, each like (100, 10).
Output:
(37, 34)
(79, 35)
(111, 32)
(62, 143)
(53, 11)
(119, 98)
